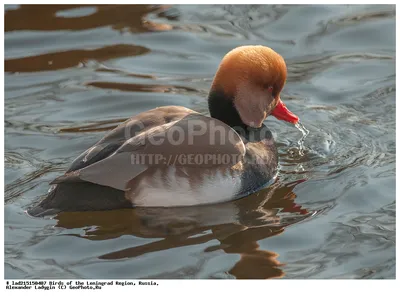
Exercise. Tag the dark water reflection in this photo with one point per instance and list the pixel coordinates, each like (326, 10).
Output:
(73, 72)
(222, 226)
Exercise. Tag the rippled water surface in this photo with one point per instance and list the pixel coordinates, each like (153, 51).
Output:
(73, 72)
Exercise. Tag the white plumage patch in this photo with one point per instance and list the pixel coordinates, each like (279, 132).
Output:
(172, 188)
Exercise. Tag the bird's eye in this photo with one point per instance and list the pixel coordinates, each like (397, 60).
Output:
(269, 88)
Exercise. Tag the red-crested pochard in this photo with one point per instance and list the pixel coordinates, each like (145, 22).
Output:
(173, 156)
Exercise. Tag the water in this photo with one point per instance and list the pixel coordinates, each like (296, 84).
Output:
(304, 133)
(73, 73)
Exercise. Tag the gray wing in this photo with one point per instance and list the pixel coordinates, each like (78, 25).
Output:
(113, 140)
(119, 168)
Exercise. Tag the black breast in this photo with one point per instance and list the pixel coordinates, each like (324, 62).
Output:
(261, 160)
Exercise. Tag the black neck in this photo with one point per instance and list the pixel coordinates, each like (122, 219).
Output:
(221, 107)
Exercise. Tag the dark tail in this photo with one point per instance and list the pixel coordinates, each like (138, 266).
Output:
(77, 197)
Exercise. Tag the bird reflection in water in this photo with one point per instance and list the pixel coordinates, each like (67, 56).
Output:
(238, 226)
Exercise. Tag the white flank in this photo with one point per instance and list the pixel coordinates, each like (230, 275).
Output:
(171, 189)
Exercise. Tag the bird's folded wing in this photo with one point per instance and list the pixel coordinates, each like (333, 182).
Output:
(175, 143)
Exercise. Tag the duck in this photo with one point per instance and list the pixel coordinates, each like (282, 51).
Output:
(172, 156)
